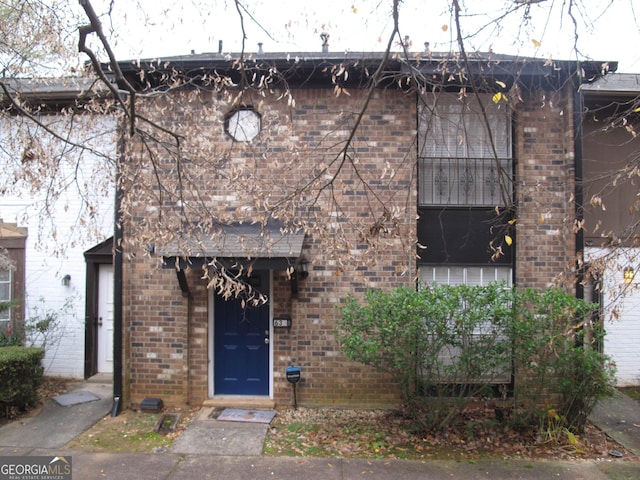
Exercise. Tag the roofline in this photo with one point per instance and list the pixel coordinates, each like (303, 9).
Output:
(66, 89)
(617, 84)
(308, 67)
(222, 59)
(11, 230)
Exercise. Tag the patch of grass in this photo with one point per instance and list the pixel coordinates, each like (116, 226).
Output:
(293, 441)
(619, 471)
(131, 431)
(633, 392)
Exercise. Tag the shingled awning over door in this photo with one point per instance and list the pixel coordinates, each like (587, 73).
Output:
(267, 246)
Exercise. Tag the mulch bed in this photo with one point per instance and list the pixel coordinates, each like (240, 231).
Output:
(388, 434)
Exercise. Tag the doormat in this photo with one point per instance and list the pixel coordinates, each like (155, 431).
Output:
(73, 398)
(239, 415)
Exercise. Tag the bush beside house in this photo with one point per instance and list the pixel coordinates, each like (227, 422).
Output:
(21, 374)
(449, 345)
(21, 367)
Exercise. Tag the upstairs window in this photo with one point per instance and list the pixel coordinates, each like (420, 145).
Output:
(465, 173)
(465, 155)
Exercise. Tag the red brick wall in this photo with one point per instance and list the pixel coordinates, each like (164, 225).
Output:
(348, 250)
(545, 185)
(155, 322)
(167, 335)
(545, 173)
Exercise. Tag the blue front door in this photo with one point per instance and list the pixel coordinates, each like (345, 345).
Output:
(241, 342)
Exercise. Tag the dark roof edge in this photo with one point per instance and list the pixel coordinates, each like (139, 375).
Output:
(331, 57)
(627, 84)
(313, 65)
(65, 88)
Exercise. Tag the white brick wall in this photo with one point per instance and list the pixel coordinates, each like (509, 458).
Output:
(56, 241)
(622, 316)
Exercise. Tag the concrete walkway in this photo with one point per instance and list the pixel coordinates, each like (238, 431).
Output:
(55, 426)
(208, 450)
(206, 436)
(619, 416)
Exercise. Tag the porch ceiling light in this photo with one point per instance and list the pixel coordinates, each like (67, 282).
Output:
(629, 274)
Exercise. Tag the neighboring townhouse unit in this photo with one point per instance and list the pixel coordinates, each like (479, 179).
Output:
(58, 196)
(12, 241)
(456, 172)
(611, 152)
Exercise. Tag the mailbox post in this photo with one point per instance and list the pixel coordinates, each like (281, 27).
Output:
(293, 377)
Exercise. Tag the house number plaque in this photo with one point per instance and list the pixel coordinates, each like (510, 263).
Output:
(282, 322)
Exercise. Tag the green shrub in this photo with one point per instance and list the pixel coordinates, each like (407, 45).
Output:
(21, 374)
(9, 338)
(555, 351)
(42, 328)
(442, 343)
(445, 344)
(8, 335)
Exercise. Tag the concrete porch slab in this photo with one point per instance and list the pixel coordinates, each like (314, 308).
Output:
(206, 436)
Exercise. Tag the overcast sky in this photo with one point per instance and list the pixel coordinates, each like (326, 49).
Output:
(161, 28)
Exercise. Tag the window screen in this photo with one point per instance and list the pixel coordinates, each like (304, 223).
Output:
(465, 152)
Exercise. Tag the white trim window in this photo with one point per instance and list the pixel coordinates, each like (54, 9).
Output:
(484, 332)
(5, 296)
(465, 275)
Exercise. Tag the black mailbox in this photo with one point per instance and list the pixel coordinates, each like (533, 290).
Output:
(293, 374)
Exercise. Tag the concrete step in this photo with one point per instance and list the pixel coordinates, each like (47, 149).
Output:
(240, 402)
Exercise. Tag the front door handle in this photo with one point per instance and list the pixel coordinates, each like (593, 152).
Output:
(266, 341)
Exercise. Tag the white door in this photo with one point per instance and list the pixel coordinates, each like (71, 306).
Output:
(105, 319)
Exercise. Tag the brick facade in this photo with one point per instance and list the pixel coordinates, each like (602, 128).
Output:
(545, 187)
(167, 338)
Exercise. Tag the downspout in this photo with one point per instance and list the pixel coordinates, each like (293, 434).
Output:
(578, 106)
(188, 349)
(117, 286)
(186, 293)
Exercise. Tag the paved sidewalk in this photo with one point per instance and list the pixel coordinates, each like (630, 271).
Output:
(55, 426)
(171, 466)
(232, 452)
(619, 416)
